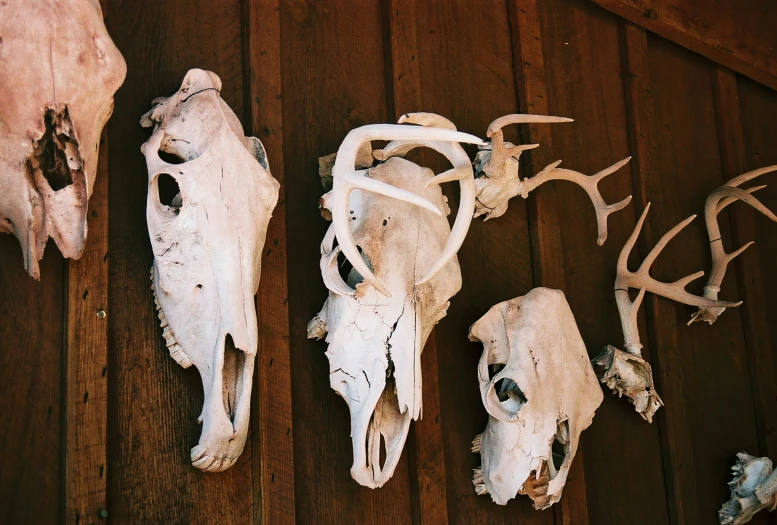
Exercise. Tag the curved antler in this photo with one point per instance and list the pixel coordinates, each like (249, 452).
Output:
(461, 171)
(716, 202)
(346, 179)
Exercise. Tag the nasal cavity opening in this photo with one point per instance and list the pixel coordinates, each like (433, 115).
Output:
(234, 359)
(56, 153)
(169, 192)
(560, 447)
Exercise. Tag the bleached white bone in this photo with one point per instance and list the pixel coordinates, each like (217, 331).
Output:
(538, 387)
(59, 70)
(210, 199)
(716, 202)
(752, 490)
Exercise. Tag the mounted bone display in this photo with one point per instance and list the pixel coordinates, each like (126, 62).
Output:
(210, 198)
(389, 278)
(540, 393)
(716, 202)
(752, 490)
(59, 70)
(626, 372)
(498, 178)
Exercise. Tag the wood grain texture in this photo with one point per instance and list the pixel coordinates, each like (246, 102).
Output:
(333, 81)
(581, 42)
(86, 399)
(425, 443)
(466, 75)
(273, 438)
(545, 221)
(155, 403)
(31, 343)
(738, 34)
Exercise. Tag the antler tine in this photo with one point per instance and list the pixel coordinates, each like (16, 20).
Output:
(716, 202)
(461, 171)
(346, 179)
(519, 118)
(591, 186)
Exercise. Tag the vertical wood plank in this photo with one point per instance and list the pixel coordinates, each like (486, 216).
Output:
(465, 72)
(580, 40)
(155, 403)
(31, 343)
(86, 399)
(333, 80)
(547, 248)
(273, 440)
(754, 106)
(427, 457)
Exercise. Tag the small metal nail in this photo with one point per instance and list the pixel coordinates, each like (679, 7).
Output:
(101, 313)
(102, 513)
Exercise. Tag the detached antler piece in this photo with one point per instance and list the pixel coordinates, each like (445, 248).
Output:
(716, 202)
(752, 489)
(376, 325)
(626, 372)
(498, 179)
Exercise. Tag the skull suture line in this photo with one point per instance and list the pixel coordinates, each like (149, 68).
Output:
(540, 392)
(376, 324)
(210, 198)
(59, 70)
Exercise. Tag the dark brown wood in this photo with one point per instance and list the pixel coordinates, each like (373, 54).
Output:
(466, 75)
(581, 43)
(738, 34)
(548, 256)
(86, 400)
(31, 343)
(273, 438)
(427, 458)
(333, 81)
(154, 402)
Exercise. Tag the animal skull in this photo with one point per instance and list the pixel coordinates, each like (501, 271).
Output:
(540, 392)
(377, 318)
(59, 70)
(752, 489)
(210, 197)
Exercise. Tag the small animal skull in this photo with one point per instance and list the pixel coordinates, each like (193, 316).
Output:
(59, 70)
(210, 198)
(540, 392)
(752, 489)
(376, 324)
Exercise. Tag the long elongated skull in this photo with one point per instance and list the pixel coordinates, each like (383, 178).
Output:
(388, 223)
(59, 70)
(210, 197)
(540, 392)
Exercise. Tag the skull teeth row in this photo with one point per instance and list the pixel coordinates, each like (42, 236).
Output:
(477, 480)
(176, 352)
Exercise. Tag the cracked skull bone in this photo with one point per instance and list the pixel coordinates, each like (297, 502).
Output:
(538, 387)
(375, 332)
(210, 198)
(59, 70)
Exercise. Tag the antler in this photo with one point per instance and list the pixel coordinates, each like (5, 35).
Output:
(626, 372)
(346, 179)
(716, 202)
(590, 183)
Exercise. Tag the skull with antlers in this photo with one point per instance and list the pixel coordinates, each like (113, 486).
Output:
(59, 70)
(626, 372)
(498, 178)
(388, 224)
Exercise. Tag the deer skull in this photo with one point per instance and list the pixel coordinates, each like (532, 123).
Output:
(210, 197)
(376, 324)
(59, 70)
(540, 392)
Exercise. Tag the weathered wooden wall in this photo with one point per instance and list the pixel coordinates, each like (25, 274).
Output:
(96, 419)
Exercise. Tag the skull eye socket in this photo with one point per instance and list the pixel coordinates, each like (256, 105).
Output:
(505, 398)
(169, 192)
